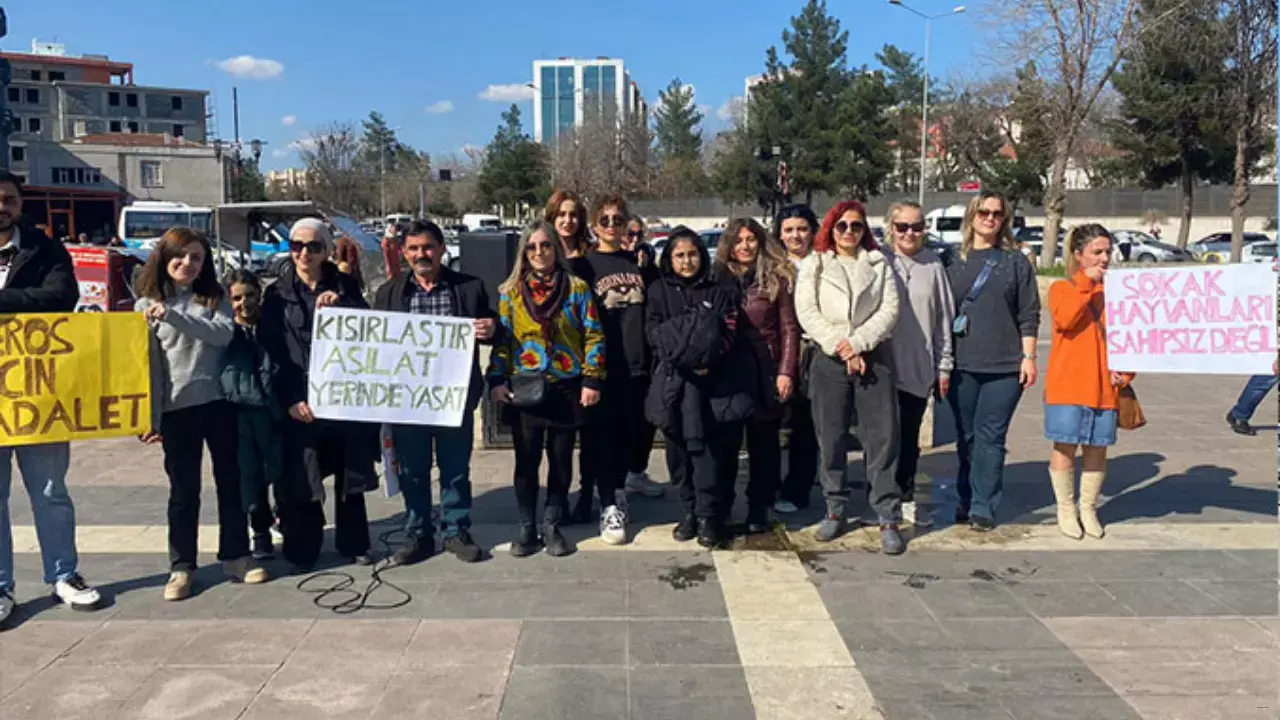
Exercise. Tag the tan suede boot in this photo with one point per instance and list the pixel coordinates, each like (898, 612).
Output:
(1090, 489)
(1064, 491)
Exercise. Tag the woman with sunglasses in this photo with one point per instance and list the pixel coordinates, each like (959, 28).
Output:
(847, 301)
(767, 323)
(554, 332)
(613, 425)
(996, 322)
(637, 241)
(795, 227)
(313, 448)
(921, 341)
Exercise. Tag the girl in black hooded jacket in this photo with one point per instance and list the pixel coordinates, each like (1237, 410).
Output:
(700, 411)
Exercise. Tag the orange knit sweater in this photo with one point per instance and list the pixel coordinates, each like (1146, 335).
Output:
(1078, 373)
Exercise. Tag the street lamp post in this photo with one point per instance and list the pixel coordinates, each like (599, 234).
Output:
(924, 104)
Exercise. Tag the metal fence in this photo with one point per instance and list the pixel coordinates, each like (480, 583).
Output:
(1210, 201)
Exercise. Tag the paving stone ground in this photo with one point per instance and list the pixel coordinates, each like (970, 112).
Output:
(1172, 616)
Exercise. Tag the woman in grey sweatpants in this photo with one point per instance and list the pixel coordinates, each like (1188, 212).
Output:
(847, 301)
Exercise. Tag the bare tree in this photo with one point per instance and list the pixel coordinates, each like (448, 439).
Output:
(1075, 46)
(1251, 92)
(602, 157)
(333, 179)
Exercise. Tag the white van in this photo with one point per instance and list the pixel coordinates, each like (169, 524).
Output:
(399, 219)
(477, 222)
(944, 223)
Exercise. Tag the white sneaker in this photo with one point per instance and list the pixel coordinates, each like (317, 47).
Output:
(785, 507)
(613, 522)
(76, 594)
(640, 484)
(916, 515)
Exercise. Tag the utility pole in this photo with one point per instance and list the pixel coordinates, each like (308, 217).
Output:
(6, 74)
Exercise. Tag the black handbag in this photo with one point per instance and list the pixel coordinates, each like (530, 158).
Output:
(528, 389)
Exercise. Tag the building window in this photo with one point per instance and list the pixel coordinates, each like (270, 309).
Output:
(33, 96)
(15, 95)
(115, 126)
(35, 75)
(79, 128)
(151, 175)
(178, 131)
(113, 99)
(18, 153)
(76, 176)
(175, 102)
(57, 76)
(133, 127)
(33, 125)
(131, 99)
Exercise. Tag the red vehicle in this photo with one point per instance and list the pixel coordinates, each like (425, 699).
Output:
(105, 275)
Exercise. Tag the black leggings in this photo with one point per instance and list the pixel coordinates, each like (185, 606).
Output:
(532, 437)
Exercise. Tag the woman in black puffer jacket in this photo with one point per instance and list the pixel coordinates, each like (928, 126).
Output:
(702, 387)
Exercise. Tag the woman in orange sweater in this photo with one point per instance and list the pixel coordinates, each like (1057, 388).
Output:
(1081, 391)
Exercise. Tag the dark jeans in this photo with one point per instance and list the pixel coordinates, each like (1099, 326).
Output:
(312, 452)
(185, 433)
(532, 438)
(764, 473)
(983, 405)
(415, 446)
(261, 516)
(705, 477)
(836, 397)
(610, 434)
(802, 454)
(1251, 397)
(302, 525)
(910, 414)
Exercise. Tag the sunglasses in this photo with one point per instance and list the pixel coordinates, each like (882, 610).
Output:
(908, 227)
(612, 221)
(994, 214)
(854, 227)
(635, 234)
(315, 247)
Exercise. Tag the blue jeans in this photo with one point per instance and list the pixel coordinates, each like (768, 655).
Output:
(1251, 397)
(44, 472)
(414, 445)
(983, 404)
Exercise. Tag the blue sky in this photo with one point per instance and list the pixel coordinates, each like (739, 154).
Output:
(321, 61)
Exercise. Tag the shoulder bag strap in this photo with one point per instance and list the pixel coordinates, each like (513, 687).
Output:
(978, 284)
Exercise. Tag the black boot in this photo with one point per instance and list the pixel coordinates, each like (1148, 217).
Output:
(527, 541)
(686, 529)
(557, 545)
(757, 520)
(708, 533)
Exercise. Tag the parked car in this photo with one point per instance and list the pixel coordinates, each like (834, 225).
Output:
(1140, 247)
(1259, 252)
(1031, 241)
(710, 239)
(1217, 247)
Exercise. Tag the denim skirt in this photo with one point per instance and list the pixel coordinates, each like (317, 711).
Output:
(1079, 425)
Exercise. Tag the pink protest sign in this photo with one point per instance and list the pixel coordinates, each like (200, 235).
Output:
(1203, 319)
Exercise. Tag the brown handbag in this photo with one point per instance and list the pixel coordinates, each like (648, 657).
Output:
(1129, 410)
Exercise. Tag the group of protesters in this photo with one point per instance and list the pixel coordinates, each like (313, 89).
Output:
(599, 338)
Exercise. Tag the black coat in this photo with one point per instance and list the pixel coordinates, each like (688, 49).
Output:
(470, 300)
(41, 277)
(285, 333)
(680, 401)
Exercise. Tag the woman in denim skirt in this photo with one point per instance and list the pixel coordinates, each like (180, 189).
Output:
(1081, 392)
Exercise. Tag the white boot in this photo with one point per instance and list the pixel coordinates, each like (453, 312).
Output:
(1090, 489)
(1064, 492)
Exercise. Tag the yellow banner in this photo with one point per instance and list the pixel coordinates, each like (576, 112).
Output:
(73, 376)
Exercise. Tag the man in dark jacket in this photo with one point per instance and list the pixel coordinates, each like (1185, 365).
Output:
(430, 288)
(36, 276)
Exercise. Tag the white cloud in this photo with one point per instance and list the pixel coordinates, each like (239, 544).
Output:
(306, 143)
(512, 92)
(282, 152)
(248, 66)
(288, 120)
(731, 109)
(442, 107)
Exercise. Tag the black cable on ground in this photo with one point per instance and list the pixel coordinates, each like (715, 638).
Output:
(356, 600)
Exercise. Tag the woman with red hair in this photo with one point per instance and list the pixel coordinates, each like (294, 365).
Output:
(847, 301)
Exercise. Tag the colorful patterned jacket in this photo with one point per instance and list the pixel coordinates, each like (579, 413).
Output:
(577, 350)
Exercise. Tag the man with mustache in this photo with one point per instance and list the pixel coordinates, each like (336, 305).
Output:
(36, 276)
(430, 288)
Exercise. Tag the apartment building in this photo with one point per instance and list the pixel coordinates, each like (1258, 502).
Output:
(570, 92)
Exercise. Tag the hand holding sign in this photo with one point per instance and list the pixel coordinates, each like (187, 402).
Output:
(155, 313)
(327, 298)
(483, 328)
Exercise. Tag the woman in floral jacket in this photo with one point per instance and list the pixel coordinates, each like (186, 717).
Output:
(550, 368)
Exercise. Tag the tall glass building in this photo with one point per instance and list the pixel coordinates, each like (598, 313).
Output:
(571, 92)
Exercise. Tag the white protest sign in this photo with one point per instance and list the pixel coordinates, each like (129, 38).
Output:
(373, 366)
(1200, 319)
